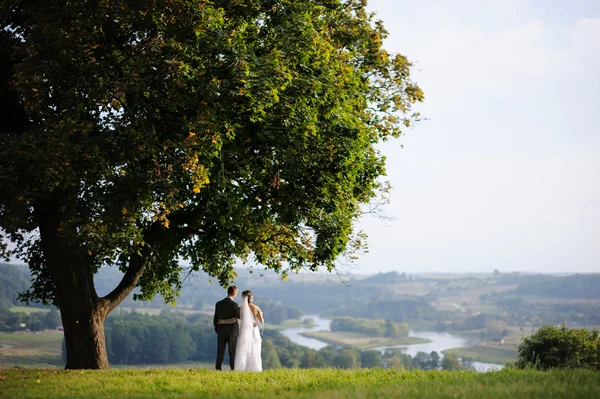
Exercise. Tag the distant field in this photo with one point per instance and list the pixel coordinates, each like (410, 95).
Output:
(30, 337)
(27, 309)
(468, 298)
(41, 350)
(289, 323)
(297, 383)
(411, 288)
(154, 311)
(361, 341)
(482, 353)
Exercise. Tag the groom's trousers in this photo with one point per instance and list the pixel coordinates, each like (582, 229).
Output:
(231, 342)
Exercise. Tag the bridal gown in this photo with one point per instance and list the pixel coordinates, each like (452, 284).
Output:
(248, 350)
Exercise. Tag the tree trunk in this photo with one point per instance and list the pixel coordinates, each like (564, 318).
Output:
(71, 267)
(82, 313)
(84, 336)
(81, 310)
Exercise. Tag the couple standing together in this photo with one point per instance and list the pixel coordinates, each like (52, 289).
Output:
(243, 338)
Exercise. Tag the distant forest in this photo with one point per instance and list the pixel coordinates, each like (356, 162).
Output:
(369, 297)
(577, 286)
(138, 339)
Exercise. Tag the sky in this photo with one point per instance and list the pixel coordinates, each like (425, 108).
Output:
(505, 172)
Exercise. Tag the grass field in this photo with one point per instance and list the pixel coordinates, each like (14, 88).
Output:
(27, 309)
(361, 341)
(288, 323)
(296, 383)
(486, 354)
(31, 350)
(468, 299)
(156, 311)
(184, 365)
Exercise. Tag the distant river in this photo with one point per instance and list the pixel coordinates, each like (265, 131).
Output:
(439, 342)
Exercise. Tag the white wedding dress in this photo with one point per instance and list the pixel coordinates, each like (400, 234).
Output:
(248, 348)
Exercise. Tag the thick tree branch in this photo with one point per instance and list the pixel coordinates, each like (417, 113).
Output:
(137, 265)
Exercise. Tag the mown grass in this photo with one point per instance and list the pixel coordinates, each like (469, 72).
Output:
(484, 354)
(172, 366)
(296, 383)
(360, 341)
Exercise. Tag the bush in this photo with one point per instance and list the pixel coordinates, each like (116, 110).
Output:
(558, 347)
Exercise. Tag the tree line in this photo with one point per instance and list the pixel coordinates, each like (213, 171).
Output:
(13, 281)
(376, 328)
(518, 311)
(576, 286)
(35, 321)
(172, 337)
(397, 310)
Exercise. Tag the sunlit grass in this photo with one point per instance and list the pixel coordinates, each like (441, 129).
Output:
(296, 383)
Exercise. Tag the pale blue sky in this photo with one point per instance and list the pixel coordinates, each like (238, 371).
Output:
(506, 172)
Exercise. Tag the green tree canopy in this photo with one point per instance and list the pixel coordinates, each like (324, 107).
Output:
(450, 362)
(150, 132)
(557, 347)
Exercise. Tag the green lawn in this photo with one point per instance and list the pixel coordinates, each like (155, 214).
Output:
(27, 309)
(184, 365)
(297, 383)
(361, 341)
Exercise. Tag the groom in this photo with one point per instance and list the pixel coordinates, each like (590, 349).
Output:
(226, 326)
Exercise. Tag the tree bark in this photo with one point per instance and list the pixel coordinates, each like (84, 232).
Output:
(82, 312)
(84, 336)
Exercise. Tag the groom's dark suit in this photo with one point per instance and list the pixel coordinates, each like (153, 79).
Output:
(226, 310)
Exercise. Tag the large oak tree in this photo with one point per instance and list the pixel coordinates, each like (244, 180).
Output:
(145, 132)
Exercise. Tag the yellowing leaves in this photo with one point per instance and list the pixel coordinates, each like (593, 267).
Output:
(161, 217)
(116, 104)
(198, 172)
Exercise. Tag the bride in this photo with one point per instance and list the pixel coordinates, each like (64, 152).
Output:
(247, 354)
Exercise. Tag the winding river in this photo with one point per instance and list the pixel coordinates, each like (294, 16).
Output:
(439, 341)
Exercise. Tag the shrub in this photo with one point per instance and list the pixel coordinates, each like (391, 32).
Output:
(558, 347)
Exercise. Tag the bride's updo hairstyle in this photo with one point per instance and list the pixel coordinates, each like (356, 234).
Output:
(248, 293)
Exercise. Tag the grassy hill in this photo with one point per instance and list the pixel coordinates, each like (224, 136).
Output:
(296, 383)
